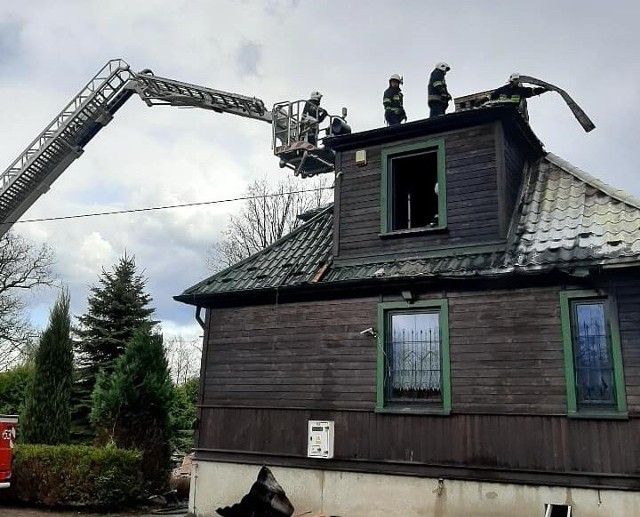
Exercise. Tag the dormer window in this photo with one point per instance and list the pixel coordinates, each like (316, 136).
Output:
(413, 196)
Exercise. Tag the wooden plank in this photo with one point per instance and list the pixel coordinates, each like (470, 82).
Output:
(526, 443)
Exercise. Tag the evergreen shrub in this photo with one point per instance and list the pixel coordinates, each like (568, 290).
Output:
(77, 475)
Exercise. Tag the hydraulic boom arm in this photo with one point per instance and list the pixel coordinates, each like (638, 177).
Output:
(63, 140)
(159, 90)
(294, 135)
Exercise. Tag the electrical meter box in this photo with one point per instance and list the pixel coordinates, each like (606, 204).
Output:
(320, 443)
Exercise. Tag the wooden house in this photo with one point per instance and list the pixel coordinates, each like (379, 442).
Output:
(466, 313)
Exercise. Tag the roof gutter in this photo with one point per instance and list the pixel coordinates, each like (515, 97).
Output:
(362, 284)
(342, 286)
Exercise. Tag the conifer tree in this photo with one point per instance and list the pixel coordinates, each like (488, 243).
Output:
(47, 415)
(116, 308)
(131, 406)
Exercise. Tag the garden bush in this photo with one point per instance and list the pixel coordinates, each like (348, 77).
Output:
(76, 475)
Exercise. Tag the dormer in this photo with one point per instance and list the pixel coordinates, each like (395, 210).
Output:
(431, 185)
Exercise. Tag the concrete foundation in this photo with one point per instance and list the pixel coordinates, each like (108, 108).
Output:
(349, 494)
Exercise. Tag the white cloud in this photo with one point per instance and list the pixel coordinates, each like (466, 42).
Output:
(94, 251)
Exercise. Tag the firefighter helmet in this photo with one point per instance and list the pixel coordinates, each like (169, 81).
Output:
(443, 66)
(395, 77)
(315, 96)
(514, 77)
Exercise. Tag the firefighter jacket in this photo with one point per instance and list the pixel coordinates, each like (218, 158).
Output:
(513, 93)
(392, 101)
(437, 89)
(312, 109)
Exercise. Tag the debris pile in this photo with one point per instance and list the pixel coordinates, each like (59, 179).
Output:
(266, 498)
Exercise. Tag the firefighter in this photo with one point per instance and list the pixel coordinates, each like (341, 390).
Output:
(437, 95)
(392, 101)
(514, 93)
(312, 116)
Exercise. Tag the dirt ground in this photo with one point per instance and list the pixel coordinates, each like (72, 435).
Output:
(13, 511)
(30, 512)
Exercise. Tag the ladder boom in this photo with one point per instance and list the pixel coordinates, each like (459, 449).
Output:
(156, 90)
(61, 142)
(295, 141)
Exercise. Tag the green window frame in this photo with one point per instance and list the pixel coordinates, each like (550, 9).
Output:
(592, 358)
(426, 378)
(388, 156)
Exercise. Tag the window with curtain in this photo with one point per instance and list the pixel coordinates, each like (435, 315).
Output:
(413, 368)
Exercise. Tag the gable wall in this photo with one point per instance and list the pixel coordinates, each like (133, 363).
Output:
(472, 197)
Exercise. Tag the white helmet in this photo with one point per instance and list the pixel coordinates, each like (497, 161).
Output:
(443, 66)
(315, 96)
(396, 77)
(514, 77)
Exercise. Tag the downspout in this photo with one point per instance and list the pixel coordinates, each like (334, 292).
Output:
(196, 422)
(199, 318)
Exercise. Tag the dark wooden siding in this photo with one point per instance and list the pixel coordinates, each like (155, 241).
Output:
(506, 351)
(270, 368)
(553, 445)
(472, 198)
(515, 158)
(628, 303)
(292, 355)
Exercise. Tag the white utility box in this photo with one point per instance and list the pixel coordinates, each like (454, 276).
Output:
(320, 443)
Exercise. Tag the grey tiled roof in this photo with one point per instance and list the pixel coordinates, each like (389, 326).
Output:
(569, 218)
(565, 219)
(295, 259)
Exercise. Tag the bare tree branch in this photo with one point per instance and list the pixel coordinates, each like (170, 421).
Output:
(183, 357)
(22, 267)
(271, 213)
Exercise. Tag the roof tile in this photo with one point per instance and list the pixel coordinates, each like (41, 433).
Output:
(566, 219)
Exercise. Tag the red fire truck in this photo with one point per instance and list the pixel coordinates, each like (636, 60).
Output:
(8, 426)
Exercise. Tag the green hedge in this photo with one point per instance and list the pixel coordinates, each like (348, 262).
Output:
(76, 475)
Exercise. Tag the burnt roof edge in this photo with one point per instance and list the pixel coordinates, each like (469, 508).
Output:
(456, 120)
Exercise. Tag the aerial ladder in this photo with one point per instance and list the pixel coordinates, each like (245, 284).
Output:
(295, 138)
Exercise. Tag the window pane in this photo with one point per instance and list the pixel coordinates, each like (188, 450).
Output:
(592, 355)
(413, 357)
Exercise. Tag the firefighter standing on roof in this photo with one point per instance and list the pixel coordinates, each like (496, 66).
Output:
(515, 94)
(392, 100)
(437, 95)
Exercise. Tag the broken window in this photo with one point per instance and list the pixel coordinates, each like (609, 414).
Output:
(414, 180)
(414, 189)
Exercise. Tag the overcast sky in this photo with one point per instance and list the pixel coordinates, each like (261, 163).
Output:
(279, 50)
